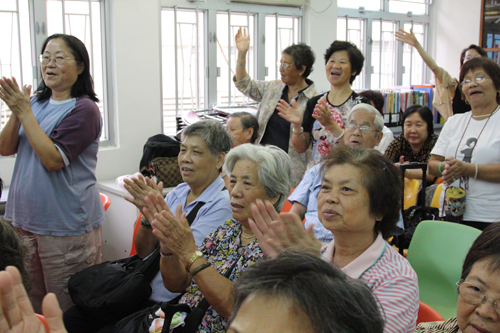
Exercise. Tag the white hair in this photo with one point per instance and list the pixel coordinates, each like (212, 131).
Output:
(378, 121)
(275, 168)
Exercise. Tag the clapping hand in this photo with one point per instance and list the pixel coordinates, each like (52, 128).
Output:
(18, 101)
(290, 112)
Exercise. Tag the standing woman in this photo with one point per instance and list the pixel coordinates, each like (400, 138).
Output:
(53, 196)
(290, 95)
(467, 153)
(344, 62)
(448, 98)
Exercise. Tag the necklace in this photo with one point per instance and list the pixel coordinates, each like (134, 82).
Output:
(486, 115)
(247, 237)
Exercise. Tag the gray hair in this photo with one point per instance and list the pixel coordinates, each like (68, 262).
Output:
(378, 121)
(341, 304)
(275, 168)
(213, 133)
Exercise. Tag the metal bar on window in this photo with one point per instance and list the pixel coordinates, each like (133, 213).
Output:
(176, 65)
(347, 27)
(276, 46)
(380, 57)
(63, 9)
(19, 41)
(411, 57)
(229, 56)
(197, 62)
(91, 37)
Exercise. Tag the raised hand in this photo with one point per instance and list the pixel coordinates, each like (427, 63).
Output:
(323, 114)
(139, 188)
(242, 40)
(405, 37)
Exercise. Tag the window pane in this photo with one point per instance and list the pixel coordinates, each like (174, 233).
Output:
(82, 19)
(15, 47)
(227, 94)
(352, 30)
(412, 62)
(187, 54)
(368, 4)
(417, 7)
(281, 32)
(383, 54)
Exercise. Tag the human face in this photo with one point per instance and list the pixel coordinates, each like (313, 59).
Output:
(344, 202)
(483, 317)
(480, 95)
(471, 53)
(237, 133)
(198, 167)
(245, 187)
(291, 75)
(60, 78)
(266, 314)
(354, 138)
(338, 69)
(415, 130)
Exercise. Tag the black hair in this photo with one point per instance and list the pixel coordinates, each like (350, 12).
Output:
(487, 245)
(356, 58)
(479, 50)
(84, 85)
(248, 120)
(14, 251)
(302, 55)
(491, 68)
(331, 300)
(374, 97)
(426, 115)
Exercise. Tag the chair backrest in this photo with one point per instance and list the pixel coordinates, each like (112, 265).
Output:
(436, 253)
(136, 227)
(435, 198)
(287, 205)
(106, 201)
(411, 192)
(427, 314)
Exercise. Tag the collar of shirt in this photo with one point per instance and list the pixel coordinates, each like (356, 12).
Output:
(365, 261)
(208, 195)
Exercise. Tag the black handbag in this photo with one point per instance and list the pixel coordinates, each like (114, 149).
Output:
(140, 321)
(115, 289)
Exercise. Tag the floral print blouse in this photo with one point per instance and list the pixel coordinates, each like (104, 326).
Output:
(222, 249)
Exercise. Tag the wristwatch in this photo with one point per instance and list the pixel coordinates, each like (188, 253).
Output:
(196, 255)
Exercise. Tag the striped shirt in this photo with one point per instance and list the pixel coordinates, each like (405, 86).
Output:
(448, 326)
(391, 279)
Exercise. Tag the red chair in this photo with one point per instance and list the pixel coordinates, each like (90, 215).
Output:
(106, 201)
(287, 205)
(136, 227)
(427, 314)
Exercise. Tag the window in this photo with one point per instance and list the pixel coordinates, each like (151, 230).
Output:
(388, 63)
(199, 55)
(81, 18)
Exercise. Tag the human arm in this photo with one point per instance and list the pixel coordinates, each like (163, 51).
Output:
(302, 141)
(410, 39)
(276, 232)
(16, 312)
(242, 42)
(9, 137)
(323, 114)
(19, 103)
(454, 169)
(176, 238)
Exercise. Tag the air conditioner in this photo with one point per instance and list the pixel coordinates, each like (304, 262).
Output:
(293, 3)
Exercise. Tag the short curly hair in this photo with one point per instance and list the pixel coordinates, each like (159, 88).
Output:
(302, 55)
(356, 58)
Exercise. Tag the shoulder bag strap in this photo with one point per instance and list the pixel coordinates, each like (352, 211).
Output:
(192, 214)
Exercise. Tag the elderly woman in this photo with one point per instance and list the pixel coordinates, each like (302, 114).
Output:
(288, 95)
(448, 98)
(325, 112)
(467, 153)
(203, 149)
(243, 128)
(416, 141)
(479, 283)
(282, 295)
(257, 172)
(53, 195)
(359, 203)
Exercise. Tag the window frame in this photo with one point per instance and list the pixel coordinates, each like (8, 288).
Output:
(210, 11)
(399, 20)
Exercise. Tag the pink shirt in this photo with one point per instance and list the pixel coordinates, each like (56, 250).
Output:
(391, 278)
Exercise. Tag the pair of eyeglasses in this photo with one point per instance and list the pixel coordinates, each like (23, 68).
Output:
(284, 65)
(59, 60)
(478, 79)
(472, 294)
(362, 129)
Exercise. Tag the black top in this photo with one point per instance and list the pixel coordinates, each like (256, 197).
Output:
(459, 105)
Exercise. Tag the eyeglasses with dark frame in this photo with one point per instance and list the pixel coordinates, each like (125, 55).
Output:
(474, 295)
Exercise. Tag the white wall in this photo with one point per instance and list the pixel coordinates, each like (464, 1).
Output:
(135, 28)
